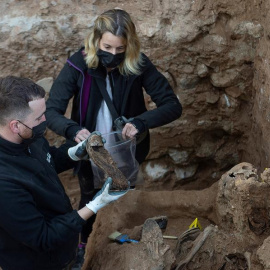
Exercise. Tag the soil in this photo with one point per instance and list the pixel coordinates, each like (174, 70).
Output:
(232, 215)
(215, 54)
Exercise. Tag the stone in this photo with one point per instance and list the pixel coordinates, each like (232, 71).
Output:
(202, 70)
(155, 171)
(178, 157)
(263, 253)
(247, 28)
(225, 78)
(185, 172)
(46, 83)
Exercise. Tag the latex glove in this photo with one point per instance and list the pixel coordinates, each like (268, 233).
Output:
(105, 196)
(78, 152)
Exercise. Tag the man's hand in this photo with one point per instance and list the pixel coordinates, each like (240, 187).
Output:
(79, 152)
(105, 196)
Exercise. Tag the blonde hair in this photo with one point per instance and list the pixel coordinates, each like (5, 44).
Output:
(119, 23)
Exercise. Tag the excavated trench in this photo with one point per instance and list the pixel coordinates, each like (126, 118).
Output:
(215, 55)
(231, 234)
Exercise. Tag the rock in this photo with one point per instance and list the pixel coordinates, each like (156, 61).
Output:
(179, 157)
(263, 254)
(233, 91)
(46, 83)
(202, 70)
(212, 97)
(155, 171)
(250, 28)
(185, 172)
(225, 78)
(189, 82)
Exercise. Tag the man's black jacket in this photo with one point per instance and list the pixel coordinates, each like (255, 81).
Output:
(38, 227)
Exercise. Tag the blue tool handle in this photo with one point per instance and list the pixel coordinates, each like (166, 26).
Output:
(124, 238)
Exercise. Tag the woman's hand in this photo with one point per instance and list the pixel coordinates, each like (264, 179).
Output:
(82, 135)
(129, 131)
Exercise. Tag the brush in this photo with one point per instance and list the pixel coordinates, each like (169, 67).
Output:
(121, 238)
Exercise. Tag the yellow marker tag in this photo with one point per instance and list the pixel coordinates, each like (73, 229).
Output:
(195, 224)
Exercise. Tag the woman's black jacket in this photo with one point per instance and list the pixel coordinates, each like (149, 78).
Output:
(128, 98)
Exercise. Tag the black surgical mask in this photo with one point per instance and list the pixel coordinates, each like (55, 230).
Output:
(37, 132)
(110, 60)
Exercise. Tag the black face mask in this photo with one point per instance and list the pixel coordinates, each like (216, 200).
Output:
(110, 60)
(37, 132)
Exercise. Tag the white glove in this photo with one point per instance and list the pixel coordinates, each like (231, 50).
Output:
(105, 196)
(78, 152)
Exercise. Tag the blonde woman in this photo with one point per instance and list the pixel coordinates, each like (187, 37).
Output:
(110, 61)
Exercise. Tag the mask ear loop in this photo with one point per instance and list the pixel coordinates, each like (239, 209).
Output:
(24, 124)
(27, 127)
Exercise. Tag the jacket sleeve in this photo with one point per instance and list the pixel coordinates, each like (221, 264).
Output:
(31, 227)
(157, 86)
(62, 161)
(63, 89)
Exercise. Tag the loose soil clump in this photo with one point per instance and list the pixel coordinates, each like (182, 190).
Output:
(103, 160)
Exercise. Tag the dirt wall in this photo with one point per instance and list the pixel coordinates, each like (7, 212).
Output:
(258, 143)
(214, 54)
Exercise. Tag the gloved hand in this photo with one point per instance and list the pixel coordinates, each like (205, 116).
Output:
(105, 196)
(78, 152)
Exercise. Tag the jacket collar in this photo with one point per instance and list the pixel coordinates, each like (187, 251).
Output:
(12, 148)
(99, 72)
(78, 61)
